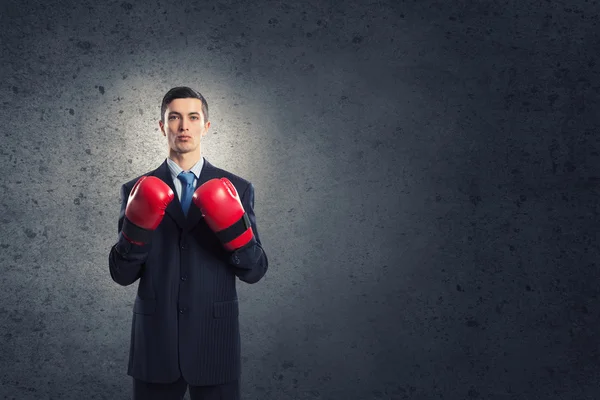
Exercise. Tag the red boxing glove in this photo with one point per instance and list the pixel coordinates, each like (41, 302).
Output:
(146, 206)
(222, 209)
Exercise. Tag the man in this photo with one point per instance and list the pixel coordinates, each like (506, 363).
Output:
(186, 237)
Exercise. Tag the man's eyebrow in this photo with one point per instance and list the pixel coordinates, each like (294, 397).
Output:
(175, 112)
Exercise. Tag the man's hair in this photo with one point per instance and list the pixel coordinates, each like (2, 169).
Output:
(182, 92)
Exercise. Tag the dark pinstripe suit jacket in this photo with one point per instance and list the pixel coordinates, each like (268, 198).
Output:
(185, 315)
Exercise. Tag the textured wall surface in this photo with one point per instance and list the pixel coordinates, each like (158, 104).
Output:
(426, 178)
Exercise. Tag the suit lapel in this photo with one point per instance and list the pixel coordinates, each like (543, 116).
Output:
(174, 210)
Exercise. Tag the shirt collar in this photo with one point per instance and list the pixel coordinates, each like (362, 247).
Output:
(176, 169)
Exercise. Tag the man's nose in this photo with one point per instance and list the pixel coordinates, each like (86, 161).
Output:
(184, 124)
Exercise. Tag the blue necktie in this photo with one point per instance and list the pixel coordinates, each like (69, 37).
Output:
(187, 186)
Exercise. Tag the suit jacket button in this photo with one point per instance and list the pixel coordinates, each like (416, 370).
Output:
(236, 260)
(184, 278)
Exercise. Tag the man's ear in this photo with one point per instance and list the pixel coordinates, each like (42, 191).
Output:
(161, 125)
(206, 126)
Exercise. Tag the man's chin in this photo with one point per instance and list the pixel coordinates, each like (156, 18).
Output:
(183, 149)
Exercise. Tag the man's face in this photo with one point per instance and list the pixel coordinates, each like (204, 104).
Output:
(184, 125)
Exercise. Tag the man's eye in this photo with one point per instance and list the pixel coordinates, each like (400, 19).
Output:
(172, 117)
(194, 117)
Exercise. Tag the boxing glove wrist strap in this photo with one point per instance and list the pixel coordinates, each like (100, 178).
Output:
(136, 233)
(235, 230)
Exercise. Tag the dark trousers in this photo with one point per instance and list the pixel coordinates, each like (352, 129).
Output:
(176, 391)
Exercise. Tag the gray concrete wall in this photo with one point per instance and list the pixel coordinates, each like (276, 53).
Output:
(426, 178)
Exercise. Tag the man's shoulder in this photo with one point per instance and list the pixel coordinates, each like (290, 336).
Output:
(235, 179)
(241, 184)
(238, 181)
(129, 184)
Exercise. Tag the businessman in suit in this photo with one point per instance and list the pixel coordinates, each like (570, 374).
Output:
(185, 237)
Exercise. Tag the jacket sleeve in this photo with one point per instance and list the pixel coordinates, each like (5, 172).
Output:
(126, 260)
(250, 262)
